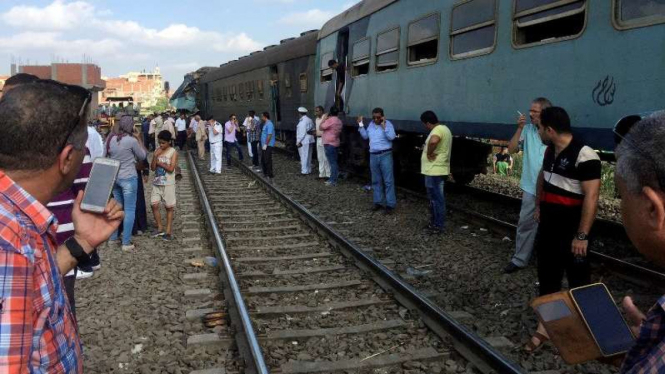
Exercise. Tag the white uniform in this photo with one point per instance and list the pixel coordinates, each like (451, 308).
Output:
(324, 166)
(246, 125)
(216, 148)
(304, 125)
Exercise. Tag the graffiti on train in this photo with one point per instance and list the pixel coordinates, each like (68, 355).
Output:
(603, 93)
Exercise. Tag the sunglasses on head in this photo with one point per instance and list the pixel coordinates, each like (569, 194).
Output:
(622, 134)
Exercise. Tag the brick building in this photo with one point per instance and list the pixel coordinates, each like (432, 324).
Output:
(145, 88)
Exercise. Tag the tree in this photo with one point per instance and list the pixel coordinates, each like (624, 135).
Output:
(161, 106)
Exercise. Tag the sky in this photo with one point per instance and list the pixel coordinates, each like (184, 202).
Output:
(136, 35)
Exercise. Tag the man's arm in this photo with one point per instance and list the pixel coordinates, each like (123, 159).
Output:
(514, 145)
(431, 147)
(214, 130)
(389, 130)
(591, 190)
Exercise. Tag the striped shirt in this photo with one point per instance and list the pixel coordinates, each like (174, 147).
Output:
(37, 330)
(61, 206)
(648, 353)
(563, 174)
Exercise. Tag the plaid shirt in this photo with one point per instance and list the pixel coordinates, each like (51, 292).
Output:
(648, 353)
(37, 331)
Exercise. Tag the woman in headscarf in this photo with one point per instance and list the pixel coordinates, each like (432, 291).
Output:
(124, 145)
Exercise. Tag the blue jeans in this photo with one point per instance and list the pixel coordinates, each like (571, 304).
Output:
(331, 155)
(437, 200)
(227, 149)
(382, 178)
(124, 192)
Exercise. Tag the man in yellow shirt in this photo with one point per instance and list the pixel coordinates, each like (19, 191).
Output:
(435, 166)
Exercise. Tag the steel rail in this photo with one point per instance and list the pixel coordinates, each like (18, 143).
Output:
(467, 343)
(256, 360)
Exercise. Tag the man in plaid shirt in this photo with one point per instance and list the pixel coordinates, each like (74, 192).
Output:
(38, 160)
(640, 178)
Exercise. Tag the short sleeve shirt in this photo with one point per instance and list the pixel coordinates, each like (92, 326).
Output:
(534, 151)
(441, 164)
(268, 129)
(563, 174)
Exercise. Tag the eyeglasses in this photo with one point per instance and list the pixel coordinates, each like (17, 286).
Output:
(621, 133)
(81, 92)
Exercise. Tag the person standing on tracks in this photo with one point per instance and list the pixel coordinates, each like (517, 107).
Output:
(181, 127)
(201, 136)
(304, 141)
(169, 125)
(332, 128)
(215, 136)
(381, 134)
(231, 129)
(156, 126)
(38, 333)
(253, 127)
(640, 179)
(324, 166)
(268, 143)
(435, 166)
(533, 152)
(163, 164)
(502, 162)
(567, 201)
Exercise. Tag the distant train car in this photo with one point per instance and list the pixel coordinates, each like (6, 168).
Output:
(277, 80)
(477, 62)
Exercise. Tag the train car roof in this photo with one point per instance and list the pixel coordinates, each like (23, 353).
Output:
(353, 14)
(302, 46)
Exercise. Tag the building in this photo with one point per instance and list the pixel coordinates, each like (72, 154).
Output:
(84, 75)
(145, 88)
(3, 78)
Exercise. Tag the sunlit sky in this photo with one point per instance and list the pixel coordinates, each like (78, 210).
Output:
(178, 36)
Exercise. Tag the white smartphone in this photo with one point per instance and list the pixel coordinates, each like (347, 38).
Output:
(100, 185)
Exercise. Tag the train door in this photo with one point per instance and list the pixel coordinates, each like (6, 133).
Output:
(342, 58)
(275, 105)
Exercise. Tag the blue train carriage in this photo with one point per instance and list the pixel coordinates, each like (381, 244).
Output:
(277, 80)
(477, 62)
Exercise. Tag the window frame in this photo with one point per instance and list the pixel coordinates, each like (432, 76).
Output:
(321, 69)
(514, 16)
(623, 26)
(259, 88)
(368, 58)
(398, 49)
(478, 52)
(306, 80)
(438, 48)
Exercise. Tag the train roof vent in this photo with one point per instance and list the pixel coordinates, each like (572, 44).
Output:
(269, 47)
(241, 57)
(255, 52)
(285, 40)
(308, 32)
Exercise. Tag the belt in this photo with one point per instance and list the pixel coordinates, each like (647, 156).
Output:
(381, 152)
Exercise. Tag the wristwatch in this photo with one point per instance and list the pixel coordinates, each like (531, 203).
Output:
(77, 251)
(582, 236)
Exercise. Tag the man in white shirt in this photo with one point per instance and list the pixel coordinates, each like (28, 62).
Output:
(304, 141)
(95, 143)
(181, 127)
(324, 166)
(169, 125)
(194, 123)
(215, 136)
(246, 125)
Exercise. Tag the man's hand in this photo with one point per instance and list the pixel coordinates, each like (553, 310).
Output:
(579, 247)
(536, 214)
(360, 121)
(431, 157)
(91, 230)
(635, 316)
(265, 146)
(521, 122)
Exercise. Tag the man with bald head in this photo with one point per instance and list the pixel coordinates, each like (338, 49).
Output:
(640, 178)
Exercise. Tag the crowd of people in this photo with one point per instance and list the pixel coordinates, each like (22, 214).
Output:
(45, 237)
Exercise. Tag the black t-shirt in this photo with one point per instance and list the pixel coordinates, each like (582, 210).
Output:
(563, 175)
(341, 73)
(500, 157)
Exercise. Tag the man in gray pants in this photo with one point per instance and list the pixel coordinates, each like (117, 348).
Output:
(534, 151)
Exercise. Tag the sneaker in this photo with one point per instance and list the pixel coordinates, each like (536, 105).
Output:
(97, 267)
(377, 207)
(156, 233)
(511, 268)
(80, 274)
(167, 237)
(389, 210)
(128, 248)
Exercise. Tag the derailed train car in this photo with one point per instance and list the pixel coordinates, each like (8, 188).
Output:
(474, 62)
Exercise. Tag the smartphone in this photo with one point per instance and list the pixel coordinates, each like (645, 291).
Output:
(602, 317)
(100, 184)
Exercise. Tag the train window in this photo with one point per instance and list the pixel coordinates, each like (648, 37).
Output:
(387, 50)
(303, 82)
(423, 40)
(241, 91)
(224, 93)
(234, 96)
(326, 72)
(217, 94)
(360, 57)
(638, 13)
(546, 21)
(248, 89)
(287, 80)
(259, 88)
(473, 28)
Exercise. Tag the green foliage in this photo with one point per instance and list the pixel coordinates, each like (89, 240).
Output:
(161, 106)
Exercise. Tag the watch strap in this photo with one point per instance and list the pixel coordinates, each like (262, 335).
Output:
(77, 251)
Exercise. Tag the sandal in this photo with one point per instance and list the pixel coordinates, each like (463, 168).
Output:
(532, 347)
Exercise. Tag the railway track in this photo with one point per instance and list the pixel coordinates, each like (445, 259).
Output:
(303, 299)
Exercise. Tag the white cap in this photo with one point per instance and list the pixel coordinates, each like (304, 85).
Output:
(302, 109)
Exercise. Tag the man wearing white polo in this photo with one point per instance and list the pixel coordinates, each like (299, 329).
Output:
(305, 141)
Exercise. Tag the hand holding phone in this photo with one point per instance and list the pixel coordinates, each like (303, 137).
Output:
(92, 229)
(100, 184)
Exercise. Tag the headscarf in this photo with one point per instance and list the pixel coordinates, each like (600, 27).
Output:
(120, 130)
